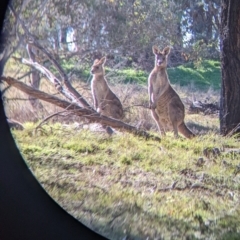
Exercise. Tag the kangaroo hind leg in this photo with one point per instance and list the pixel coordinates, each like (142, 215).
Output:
(157, 120)
(174, 119)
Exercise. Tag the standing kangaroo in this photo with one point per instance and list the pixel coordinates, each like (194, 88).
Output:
(166, 106)
(105, 101)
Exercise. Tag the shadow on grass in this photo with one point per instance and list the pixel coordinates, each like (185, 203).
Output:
(133, 223)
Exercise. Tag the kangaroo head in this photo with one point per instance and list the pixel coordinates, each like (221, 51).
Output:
(98, 66)
(161, 56)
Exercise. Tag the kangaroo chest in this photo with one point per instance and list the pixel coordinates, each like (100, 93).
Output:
(100, 89)
(159, 82)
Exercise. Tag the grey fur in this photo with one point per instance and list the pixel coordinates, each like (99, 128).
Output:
(105, 101)
(166, 106)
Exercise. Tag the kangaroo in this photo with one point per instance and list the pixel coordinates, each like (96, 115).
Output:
(166, 106)
(105, 101)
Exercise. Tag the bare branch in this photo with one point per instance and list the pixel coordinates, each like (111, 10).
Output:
(54, 80)
(48, 117)
(33, 42)
(25, 75)
(68, 86)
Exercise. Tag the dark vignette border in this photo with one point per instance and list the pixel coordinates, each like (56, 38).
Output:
(26, 210)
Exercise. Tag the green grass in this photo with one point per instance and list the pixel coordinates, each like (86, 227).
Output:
(132, 76)
(201, 77)
(205, 76)
(126, 186)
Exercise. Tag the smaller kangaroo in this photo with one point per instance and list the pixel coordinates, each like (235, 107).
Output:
(105, 101)
(166, 106)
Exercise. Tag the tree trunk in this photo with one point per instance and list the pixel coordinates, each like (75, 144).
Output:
(35, 80)
(230, 61)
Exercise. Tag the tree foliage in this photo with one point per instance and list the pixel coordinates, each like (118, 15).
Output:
(122, 30)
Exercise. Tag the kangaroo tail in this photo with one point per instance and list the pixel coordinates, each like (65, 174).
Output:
(184, 130)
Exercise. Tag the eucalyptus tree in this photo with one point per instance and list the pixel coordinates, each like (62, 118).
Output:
(83, 30)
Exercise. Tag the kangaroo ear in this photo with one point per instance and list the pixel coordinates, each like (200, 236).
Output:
(155, 49)
(96, 61)
(102, 60)
(166, 50)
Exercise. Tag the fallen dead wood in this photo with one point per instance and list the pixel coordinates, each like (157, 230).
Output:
(61, 87)
(87, 113)
(205, 108)
(65, 81)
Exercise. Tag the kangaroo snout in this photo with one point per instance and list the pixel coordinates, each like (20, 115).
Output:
(92, 71)
(159, 62)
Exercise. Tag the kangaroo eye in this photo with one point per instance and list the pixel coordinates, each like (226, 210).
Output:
(97, 67)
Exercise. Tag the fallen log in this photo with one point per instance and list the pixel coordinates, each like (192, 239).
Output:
(70, 90)
(61, 87)
(65, 81)
(87, 113)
